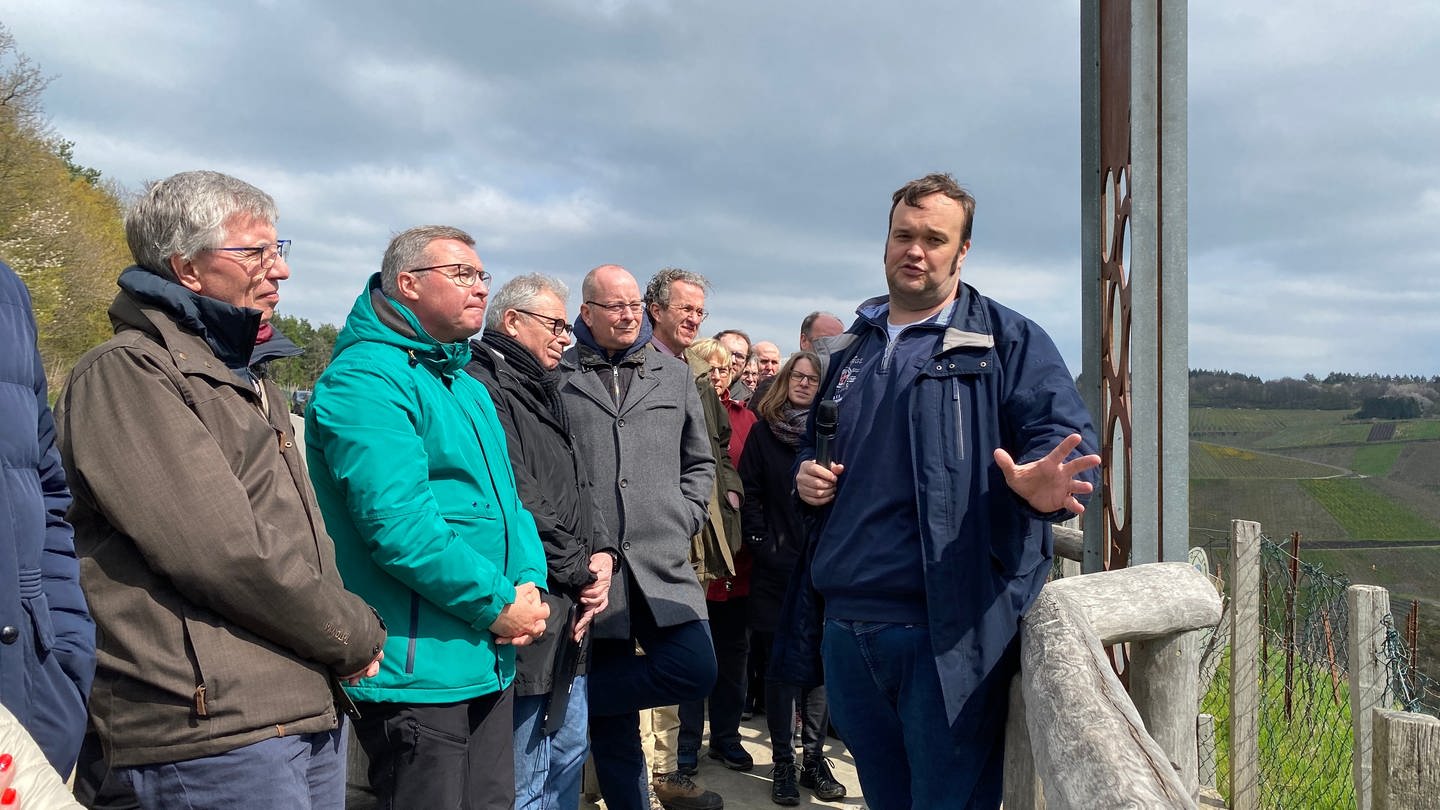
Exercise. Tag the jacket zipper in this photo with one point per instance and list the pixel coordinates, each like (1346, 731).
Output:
(959, 418)
(414, 632)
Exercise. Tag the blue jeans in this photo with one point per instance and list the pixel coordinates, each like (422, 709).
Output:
(678, 665)
(548, 769)
(886, 702)
(305, 771)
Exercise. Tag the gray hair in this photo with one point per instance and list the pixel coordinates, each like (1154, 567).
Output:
(520, 293)
(186, 213)
(658, 290)
(407, 252)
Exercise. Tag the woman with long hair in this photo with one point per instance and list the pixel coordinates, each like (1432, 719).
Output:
(775, 535)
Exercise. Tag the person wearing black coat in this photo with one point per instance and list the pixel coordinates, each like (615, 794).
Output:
(525, 332)
(775, 534)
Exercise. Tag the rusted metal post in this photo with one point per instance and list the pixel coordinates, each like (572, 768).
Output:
(1290, 588)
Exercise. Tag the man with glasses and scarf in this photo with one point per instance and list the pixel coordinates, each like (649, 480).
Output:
(409, 463)
(516, 358)
(222, 622)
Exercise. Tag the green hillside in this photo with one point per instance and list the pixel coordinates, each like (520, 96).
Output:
(1315, 472)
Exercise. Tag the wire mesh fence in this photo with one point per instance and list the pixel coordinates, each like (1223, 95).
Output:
(1305, 737)
(1305, 731)
(1407, 688)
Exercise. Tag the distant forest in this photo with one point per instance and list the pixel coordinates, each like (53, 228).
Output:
(1370, 396)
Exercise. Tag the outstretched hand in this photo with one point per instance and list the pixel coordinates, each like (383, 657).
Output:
(1050, 483)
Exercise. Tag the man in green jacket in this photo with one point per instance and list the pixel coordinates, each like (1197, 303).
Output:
(413, 476)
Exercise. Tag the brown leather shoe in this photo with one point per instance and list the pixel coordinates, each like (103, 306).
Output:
(676, 791)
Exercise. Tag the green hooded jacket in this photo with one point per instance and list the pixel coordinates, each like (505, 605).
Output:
(413, 477)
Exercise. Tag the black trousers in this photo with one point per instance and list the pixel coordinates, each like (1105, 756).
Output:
(729, 630)
(448, 756)
(781, 701)
(678, 665)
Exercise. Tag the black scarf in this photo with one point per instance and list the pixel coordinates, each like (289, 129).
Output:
(544, 382)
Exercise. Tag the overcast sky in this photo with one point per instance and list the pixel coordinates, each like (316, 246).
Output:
(758, 143)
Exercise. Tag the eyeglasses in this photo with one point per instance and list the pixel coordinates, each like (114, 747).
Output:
(719, 371)
(690, 311)
(557, 326)
(634, 307)
(738, 357)
(808, 379)
(464, 275)
(267, 254)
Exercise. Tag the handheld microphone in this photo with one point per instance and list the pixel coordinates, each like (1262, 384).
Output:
(824, 431)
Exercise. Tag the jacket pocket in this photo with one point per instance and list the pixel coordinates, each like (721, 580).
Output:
(206, 693)
(34, 601)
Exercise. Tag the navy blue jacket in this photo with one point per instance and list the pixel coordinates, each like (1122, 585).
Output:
(47, 640)
(996, 380)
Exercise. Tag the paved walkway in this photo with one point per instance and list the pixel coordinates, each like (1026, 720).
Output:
(741, 791)
(751, 790)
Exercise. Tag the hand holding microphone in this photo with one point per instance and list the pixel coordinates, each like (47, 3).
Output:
(815, 480)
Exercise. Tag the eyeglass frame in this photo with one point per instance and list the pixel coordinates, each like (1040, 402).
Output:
(276, 252)
(559, 327)
(689, 310)
(808, 379)
(482, 276)
(619, 307)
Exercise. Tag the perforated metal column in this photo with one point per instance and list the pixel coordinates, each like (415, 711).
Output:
(1133, 247)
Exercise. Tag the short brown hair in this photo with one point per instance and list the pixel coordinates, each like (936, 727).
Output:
(936, 183)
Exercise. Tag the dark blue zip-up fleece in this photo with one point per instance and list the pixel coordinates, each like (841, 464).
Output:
(993, 379)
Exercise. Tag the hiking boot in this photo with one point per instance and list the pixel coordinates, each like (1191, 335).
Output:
(687, 762)
(733, 754)
(784, 790)
(676, 791)
(818, 777)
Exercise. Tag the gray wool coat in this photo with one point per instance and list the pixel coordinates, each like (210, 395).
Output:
(650, 464)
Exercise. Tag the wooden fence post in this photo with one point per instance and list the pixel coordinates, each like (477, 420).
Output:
(1245, 633)
(1368, 606)
(1205, 740)
(1163, 684)
(1407, 761)
(1022, 783)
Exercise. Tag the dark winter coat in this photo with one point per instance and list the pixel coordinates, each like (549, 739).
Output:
(222, 618)
(650, 460)
(552, 484)
(996, 380)
(47, 640)
(773, 528)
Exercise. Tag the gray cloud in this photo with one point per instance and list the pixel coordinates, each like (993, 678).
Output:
(758, 143)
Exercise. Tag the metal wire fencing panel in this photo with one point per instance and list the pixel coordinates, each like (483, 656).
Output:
(1305, 736)
(1407, 689)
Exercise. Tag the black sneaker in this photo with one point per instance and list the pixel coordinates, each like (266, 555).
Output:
(733, 754)
(784, 790)
(818, 777)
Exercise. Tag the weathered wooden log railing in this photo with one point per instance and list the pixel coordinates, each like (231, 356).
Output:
(1076, 738)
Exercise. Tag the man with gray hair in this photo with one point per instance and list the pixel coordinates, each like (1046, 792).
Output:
(223, 623)
(675, 301)
(516, 357)
(407, 456)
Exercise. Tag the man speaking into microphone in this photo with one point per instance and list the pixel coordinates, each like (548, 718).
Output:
(959, 437)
